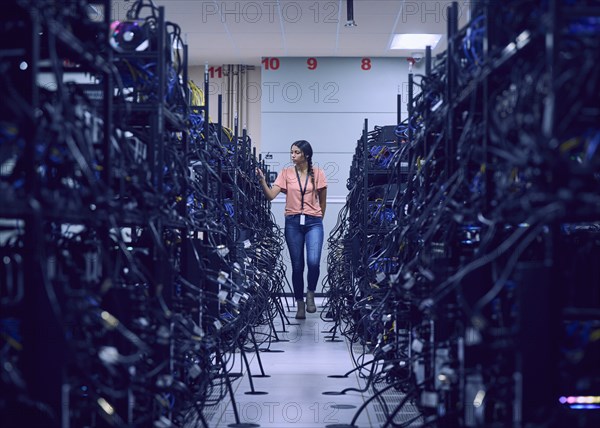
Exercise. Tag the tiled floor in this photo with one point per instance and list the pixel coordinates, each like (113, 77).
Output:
(298, 379)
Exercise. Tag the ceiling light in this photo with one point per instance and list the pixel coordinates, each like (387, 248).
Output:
(415, 41)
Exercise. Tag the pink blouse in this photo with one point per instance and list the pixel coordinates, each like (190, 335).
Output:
(287, 180)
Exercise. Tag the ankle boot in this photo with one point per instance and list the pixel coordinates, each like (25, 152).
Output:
(310, 302)
(301, 314)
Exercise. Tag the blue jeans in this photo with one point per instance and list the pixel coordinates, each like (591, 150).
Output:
(296, 236)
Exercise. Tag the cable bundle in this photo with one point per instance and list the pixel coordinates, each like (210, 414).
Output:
(472, 302)
(134, 232)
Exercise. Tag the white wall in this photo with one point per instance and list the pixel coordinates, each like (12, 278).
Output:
(327, 106)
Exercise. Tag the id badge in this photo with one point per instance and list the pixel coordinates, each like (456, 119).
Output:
(302, 219)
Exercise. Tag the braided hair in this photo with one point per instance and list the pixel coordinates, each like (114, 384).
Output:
(307, 150)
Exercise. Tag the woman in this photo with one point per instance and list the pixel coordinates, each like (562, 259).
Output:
(305, 189)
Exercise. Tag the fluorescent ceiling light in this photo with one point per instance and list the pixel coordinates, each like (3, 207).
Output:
(415, 41)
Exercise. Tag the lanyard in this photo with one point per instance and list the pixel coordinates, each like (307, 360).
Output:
(302, 191)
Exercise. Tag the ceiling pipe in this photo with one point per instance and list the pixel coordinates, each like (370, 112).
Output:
(350, 14)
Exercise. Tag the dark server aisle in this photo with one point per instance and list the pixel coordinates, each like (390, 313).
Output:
(142, 274)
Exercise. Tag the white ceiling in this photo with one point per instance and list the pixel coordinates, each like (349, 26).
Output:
(242, 32)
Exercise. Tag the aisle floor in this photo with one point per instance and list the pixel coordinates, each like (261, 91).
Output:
(298, 377)
(299, 370)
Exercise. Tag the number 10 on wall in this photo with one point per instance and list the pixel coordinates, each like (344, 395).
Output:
(270, 63)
